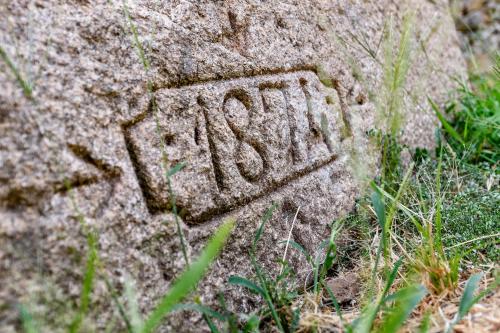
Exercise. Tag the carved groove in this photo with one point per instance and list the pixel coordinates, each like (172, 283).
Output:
(197, 135)
(302, 130)
(187, 82)
(325, 132)
(246, 100)
(310, 117)
(343, 108)
(219, 177)
(84, 154)
(292, 125)
(149, 199)
(223, 209)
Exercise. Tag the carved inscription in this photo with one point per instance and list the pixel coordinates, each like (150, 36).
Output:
(240, 138)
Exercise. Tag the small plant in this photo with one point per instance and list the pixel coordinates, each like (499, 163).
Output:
(87, 283)
(395, 308)
(274, 291)
(468, 299)
(185, 283)
(90, 266)
(277, 292)
(398, 306)
(474, 131)
(323, 259)
(395, 66)
(181, 287)
(439, 272)
(27, 321)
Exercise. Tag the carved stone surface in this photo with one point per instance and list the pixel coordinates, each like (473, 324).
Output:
(243, 138)
(261, 101)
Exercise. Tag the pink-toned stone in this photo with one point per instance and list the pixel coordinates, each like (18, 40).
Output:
(261, 100)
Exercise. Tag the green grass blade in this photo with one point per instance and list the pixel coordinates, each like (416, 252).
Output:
(135, 35)
(240, 281)
(207, 313)
(190, 278)
(295, 320)
(364, 323)
(446, 125)
(199, 308)
(207, 318)
(392, 277)
(316, 273)
(88, 280)
(180, 232)
(298, 247)
(176, 168)
(121, 309)
(438, 224)
(394, 204)
(252, 324)
(468, 299)
(379, 207)
(405, 301)
(267, 216)
(136, 321)
(331, 253)
(211, 325)
(425, 324)
(27, 89)
(409, 213)
(27, 320)
(336, 304)
(266, 288)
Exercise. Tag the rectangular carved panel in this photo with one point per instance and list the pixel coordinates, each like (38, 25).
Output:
(240, 138)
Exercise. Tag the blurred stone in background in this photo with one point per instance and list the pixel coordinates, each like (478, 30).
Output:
(478, 24)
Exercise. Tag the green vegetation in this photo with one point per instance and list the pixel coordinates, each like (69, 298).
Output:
(274, 291)
(424, 218)
(419, 210)
(471, 168)
(25, 85)
(468, 299)
(474, 134)
(414, 233)
(181, 288)
(189, 279)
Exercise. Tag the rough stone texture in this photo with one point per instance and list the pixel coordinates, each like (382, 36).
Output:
(478, 23)
(345, 287)
(262, 100)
